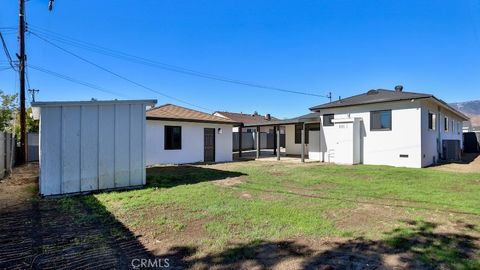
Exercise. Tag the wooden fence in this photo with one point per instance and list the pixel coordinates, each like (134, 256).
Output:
(7, 153)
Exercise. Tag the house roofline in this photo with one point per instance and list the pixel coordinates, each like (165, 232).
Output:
(171, 119)
(441, 102)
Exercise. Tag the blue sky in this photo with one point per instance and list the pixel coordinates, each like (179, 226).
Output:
(346, 47)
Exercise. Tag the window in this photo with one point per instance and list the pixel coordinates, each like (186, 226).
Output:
(308, 127)
(298, 133)
(381, 120)
(459, 127)
(173, 137)
(432, 123)
(327, 120)
(445, 124)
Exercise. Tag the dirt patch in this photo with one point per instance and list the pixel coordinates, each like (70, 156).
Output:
(19, 186)
(470, 164)
(229, 182)
(368, 219)
(40, 233)
(246, 196)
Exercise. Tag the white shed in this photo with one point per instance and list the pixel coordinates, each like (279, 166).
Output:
(91, 145)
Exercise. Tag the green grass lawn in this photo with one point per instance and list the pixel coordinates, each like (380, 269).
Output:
(211, 207)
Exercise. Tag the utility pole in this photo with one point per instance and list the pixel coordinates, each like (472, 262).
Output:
(21, 70)
(329, 96)
(32, 93)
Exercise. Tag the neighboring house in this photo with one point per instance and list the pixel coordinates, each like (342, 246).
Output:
(177, 135)
(381, 127)
(248, 141)
(248, 119)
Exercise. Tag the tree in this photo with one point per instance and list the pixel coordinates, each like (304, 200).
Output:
(8, 110)
(32, 125)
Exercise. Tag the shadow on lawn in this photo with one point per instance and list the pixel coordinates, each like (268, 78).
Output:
(69, 233)
(170, 176)
(78, 232)
(415, 245)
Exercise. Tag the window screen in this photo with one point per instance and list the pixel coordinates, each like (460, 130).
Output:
(327, 120)
(173, 137)
(381, 120)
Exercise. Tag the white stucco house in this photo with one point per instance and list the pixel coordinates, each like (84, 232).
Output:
(177, 135)
(379, 127)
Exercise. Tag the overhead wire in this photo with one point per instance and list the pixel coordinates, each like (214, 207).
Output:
(117, 74)
(73, 80)
(7, 52)
(141, 60)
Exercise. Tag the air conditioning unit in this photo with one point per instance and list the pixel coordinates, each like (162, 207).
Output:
(451, 150)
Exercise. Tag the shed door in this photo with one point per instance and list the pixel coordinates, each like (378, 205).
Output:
(209, 145)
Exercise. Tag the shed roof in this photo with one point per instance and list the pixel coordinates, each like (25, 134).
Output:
(173, 112)
(93, 102)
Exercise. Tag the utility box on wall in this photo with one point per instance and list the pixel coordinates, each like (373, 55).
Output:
(347, 145)
(91, 145)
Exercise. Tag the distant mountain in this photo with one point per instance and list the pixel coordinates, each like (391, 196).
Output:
(471, 109)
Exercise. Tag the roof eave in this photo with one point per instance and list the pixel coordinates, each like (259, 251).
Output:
(321, 107)
(171, 119)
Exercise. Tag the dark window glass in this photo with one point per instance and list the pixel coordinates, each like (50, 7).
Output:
(173, 137)
(381, 120)
(445, 123)
(298, 133)
(308, 127)
(327, 120)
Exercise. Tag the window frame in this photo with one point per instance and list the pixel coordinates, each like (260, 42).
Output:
(446, 124)
(308, 127)
(166, 144)
(432, 121)
(379, 112)
(328, 123)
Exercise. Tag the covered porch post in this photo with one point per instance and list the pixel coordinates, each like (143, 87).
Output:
(274, 140)
(278, 142)
(240, 140)
(258, 141)
(321, 154)
(303, 142)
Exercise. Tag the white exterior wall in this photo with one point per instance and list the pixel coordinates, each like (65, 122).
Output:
(376, 147)
(432, 139)
(383, 147)
(291, 148)
(192, 143)
(91, 146)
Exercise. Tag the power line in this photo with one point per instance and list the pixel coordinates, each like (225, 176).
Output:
(68, 78)
(140, 60)
(118, 75)
(27, 77)
(7, 53)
